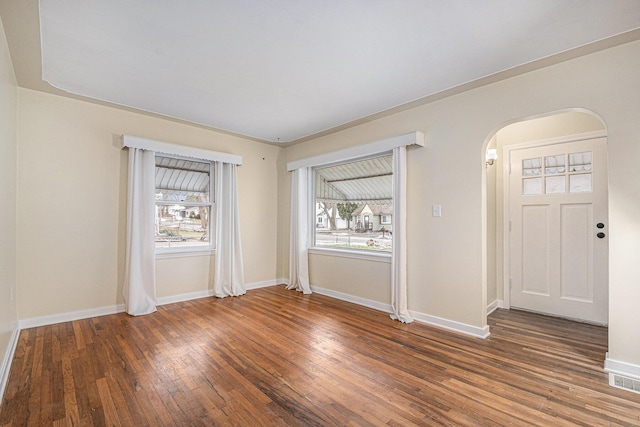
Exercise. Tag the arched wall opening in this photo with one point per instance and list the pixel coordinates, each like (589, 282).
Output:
(554, 125)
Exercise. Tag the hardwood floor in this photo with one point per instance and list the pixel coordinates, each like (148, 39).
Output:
(277, 357)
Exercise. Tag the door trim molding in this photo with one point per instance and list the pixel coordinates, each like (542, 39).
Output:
(506, 200)
(557, 140)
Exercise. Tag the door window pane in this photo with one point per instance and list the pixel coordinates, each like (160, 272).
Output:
(579, 162)
(555, 184)
(580, 183)
(549, 174)
(531, 186)
(532, 167)
(554, 165)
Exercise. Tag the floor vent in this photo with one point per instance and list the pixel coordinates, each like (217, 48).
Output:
(625, 383)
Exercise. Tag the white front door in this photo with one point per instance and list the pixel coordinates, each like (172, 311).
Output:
(558, 259)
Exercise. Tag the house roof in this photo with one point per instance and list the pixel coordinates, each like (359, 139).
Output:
(385, 209)
(365, 181)
(382, 209)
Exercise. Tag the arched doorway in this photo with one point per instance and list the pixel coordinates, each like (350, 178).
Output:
(543, 249)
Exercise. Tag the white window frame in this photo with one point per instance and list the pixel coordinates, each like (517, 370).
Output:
(358, 152)
(351, 251)
(191, 153)
(176, 251)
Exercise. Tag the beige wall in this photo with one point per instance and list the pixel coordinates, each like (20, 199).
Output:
(283, 207)
(72, 204)
(8, 107)
(175, 276)
(555, 125)
(357, 277)
(447, 277)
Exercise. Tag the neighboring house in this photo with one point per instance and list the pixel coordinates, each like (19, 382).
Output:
(373, 217)
(322, 219)
(365, 218)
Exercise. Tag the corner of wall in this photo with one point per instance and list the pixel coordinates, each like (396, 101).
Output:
(282, 206)
(8, 192)
(5, 367)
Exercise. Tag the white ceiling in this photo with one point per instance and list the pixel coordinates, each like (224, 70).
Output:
(282, 70)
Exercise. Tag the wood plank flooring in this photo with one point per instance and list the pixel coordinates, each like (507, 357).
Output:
(279, 358)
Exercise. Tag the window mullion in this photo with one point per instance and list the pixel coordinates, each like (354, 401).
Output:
(182, 202)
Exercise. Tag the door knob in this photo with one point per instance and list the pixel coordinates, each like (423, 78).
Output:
(600, 225)
(600, 235)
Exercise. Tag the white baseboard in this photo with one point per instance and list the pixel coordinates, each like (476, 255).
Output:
(451, 325)
(619, 367)
(264, 284)
(494, 306)
(119, 308)
(420, 317)
(8, 358)
(184, 297)
(376, 305)
(69, 316)
(283, 281)
(209, 292)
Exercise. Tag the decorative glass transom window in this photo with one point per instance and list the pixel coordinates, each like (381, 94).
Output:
(557, 174)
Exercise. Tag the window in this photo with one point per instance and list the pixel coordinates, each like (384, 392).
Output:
(353, 196)
(184, 203)
(555, 174)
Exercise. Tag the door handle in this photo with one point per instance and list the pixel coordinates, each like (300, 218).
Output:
(600, 235)
(600, 225)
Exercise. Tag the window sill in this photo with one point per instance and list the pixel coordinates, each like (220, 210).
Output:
(182, 253)
(354, 254)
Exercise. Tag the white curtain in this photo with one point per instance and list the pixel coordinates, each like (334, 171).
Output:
(139, 288)
(399, 227)
(299, 235)
(228, 279)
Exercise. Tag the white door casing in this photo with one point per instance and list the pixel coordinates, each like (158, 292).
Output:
(558, 261)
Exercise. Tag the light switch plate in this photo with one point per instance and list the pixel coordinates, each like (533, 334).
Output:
(436, 210)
